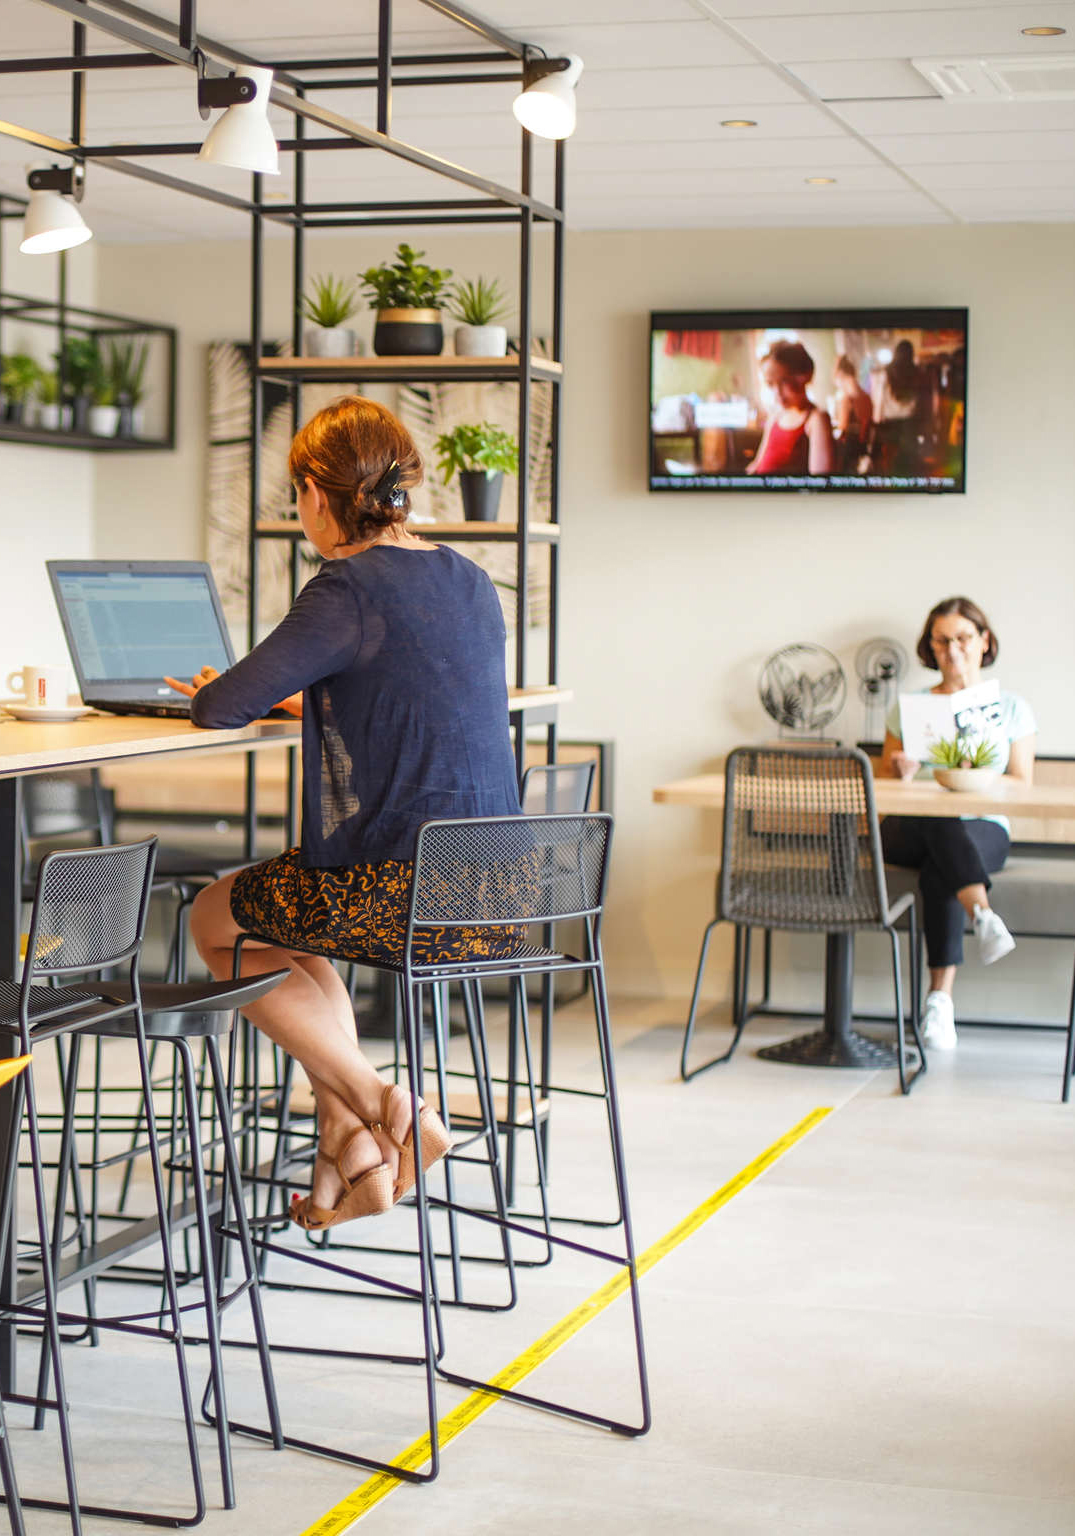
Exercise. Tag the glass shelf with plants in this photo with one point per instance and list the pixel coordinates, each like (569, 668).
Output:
(72, 377)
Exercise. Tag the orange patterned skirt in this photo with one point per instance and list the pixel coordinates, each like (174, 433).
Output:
(351, 913)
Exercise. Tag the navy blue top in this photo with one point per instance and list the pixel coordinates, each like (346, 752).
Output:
(400, 653)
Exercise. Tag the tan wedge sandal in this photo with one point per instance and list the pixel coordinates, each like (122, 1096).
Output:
(436, 1141)
(369, 1195)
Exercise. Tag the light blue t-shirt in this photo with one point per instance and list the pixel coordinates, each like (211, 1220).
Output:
(1008, 720)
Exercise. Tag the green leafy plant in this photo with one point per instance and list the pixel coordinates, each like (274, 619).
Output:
(483, 447)
(124, 370)
(19, 374)
(48, 387)
(329, 302)
(478, 303)
(961, 751)
(406, 283)
(80, 362)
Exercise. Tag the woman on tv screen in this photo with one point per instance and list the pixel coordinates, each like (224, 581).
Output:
(797, 439)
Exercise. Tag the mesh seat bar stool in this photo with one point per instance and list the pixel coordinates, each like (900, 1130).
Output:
(88, 917)
(802, 852)
(490, 873)
(178, 1014)
(8, 1070)
(483, 873)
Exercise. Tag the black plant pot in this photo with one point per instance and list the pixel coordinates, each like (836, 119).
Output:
(16, 410)
(481, 495)
(80, 414)
(126, 417)
(408, 333)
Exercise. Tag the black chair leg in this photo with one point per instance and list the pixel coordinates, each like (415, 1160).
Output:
(740, 1011)
(1069, 1054)
(11, 1487)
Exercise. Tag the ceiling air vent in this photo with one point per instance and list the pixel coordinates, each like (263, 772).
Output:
(1022, 79)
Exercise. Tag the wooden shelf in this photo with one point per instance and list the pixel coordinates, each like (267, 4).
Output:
(463, 533)
(407, 369)
(49, 437)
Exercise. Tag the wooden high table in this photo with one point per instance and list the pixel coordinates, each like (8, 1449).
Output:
(837, 1044)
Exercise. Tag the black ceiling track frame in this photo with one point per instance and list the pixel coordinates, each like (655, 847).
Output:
(158, 41)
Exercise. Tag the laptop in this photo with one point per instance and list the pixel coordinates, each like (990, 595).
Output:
(128, 622)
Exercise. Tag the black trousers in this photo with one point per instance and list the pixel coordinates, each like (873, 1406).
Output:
(948, 854)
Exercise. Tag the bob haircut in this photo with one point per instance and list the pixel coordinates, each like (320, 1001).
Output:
(969, 611)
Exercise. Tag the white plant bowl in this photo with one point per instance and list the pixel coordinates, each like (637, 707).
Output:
(965, 779)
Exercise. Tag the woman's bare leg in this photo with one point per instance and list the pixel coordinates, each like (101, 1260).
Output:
(309, 1015)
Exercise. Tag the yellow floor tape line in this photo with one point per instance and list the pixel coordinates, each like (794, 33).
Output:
(378, 1487)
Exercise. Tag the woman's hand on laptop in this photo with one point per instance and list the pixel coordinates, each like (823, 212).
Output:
(206, 675)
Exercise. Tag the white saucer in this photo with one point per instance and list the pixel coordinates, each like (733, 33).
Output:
(42, 712)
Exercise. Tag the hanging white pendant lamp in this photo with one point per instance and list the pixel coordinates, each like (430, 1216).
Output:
(242, 138)
(547, 104)
(52, 221)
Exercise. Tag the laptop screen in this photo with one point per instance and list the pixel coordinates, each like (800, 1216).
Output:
(134, 621)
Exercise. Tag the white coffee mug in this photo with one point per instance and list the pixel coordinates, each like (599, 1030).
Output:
(42, 687)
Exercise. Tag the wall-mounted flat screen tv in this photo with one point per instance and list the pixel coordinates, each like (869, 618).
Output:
(808, 400)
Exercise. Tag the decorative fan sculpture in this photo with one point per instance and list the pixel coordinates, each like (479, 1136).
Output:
(880, 664)
(803, 687)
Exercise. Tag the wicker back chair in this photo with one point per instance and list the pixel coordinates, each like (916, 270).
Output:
(802, 851)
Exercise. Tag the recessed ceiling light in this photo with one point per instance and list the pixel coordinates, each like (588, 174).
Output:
(1044, 31)
(820, 181)
(738, 122)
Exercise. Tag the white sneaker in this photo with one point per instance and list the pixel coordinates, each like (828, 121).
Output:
(938, 1022)
(994, 940)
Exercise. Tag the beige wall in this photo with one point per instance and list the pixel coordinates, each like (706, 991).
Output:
(670, 604)
(46, 494)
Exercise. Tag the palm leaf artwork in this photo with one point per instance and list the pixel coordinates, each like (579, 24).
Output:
(432, 409)
(796, 699)
(228, 489)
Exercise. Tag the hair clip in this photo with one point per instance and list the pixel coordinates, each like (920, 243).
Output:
(387, 491)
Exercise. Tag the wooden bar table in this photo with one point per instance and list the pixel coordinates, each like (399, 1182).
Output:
(837, 1044)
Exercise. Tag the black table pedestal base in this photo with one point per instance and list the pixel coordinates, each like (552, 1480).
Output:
(837, 1045)
(822, 1049)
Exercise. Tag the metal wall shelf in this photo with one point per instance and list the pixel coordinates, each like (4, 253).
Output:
(461, 533)
(457, 370)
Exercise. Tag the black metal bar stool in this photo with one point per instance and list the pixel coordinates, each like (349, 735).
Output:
(88, 918)
(488, 874)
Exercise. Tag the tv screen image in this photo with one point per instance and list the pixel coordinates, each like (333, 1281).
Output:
(808, 400)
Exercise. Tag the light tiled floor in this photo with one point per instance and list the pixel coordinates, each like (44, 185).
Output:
(875, 1336)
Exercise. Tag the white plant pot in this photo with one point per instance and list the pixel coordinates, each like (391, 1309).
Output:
(104, 420)
(330, 341)
(50, 416)
(481, 341)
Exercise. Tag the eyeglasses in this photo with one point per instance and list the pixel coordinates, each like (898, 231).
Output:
(944, 642)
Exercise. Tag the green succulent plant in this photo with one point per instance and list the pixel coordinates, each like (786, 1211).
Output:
(406, 283)
(19, 375)
(124, 370)
(330, 301)
(80, 362)
(48, 387)
(478, 303)
(961, 751)
(485, 447)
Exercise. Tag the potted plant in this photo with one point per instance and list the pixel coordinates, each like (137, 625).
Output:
(19, 373)
(481, 455)
(964, 763)
(406, 295)
(50, 413)
(79, 364)
(328, 304)
(103, 416)
(477, 306)
(125, 368)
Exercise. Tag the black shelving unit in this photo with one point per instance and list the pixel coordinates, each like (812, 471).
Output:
(471, 199)
(63, 319)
